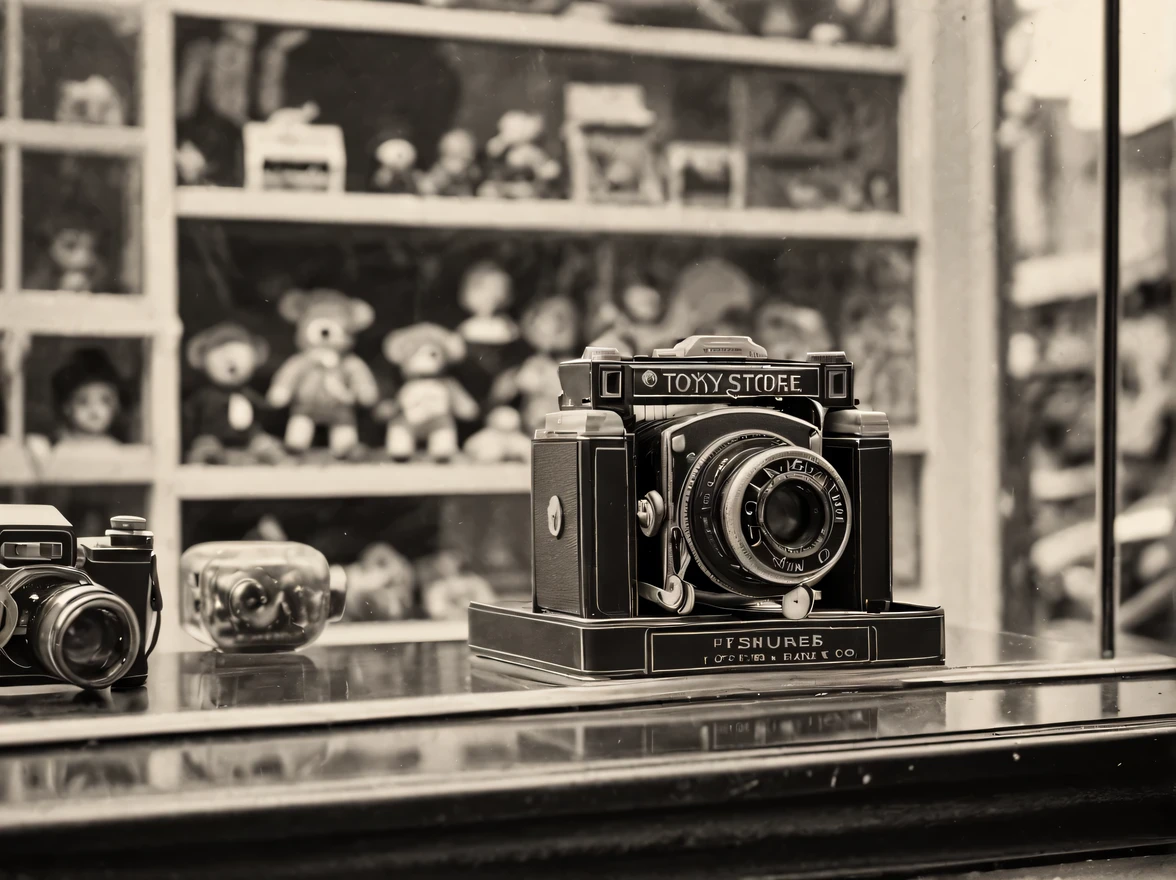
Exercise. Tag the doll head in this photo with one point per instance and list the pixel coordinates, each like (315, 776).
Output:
(485, 289)
(396, 154)
(92, 101)
(325, 319)
(423, 350)
(227, 353)
(73, 241)
(89, 393)
(552, 324)
(457, 150)
(519, 127)
(642, 302)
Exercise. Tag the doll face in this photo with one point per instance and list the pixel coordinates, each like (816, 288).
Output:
(231, 363)
(553, 326)
(73, 249)
(457, 149)
(92, 407)
(643, 303)
(486, 291)
(399, 155)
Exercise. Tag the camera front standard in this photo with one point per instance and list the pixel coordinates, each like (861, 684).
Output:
(75, 610)
(706, 508)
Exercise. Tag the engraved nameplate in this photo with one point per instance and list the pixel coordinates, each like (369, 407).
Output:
(780, 648)
(724, 383)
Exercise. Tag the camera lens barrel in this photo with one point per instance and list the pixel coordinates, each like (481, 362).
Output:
(85, 635)
(763, 516)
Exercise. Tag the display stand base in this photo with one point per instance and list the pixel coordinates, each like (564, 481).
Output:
(906, 635)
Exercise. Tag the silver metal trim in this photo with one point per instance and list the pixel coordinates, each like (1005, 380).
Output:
(863, 423)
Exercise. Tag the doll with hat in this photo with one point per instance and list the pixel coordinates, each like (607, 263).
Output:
(91, 399)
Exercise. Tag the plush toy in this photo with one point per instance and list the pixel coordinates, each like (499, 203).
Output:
(71, 261)
(790, 331)
(501, 440)
(379, 584)
(268, 528)
(551, 326)
(447, 591)
(91, 397)
(428, 401)
(516, 166)
(485, 293)
(191, 166)
(92, 101)
(324, 382)
(219, 72)
(396, 158)
(222, 417)
(455, 173)
(1147, 397)
(878, 333)
(628, 327)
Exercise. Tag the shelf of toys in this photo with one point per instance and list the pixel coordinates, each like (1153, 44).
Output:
(1052, 353)
(331, 311)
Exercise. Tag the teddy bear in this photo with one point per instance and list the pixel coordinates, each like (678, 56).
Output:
(447, 590)
(551, 326)
(70, 261)
(485, 293)
(324, 381)
(427, 402)
(501, 440)
(455, 173)
(516, 166)
(91, 101)
(222, 417)
(379, 584)
(396, 158)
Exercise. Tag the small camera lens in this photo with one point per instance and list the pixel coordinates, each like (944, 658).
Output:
(793, 515)
(93, 642)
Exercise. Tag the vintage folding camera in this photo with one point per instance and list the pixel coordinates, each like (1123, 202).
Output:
(708, 509)
(75, 610)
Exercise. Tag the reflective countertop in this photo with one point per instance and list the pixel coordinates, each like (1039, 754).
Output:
(358, 741)
(203, 693)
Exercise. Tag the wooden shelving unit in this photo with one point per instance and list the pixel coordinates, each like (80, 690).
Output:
(943, 60)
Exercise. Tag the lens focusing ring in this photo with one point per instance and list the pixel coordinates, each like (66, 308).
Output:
(60, 610)
(742, 498)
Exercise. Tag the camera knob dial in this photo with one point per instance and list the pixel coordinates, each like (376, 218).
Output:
(651, 512)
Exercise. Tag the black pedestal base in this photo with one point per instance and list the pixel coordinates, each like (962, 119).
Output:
(907, 635)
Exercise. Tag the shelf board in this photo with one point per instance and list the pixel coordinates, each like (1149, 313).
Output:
(96, 6)
(394, 631)
(550, 32)
(57, 137)
(1040, 281)
(64, 313)
(127, 465)
(555, 215)
(224, 482)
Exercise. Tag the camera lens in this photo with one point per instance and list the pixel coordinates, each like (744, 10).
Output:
(85, 634)
(92, 643)
(792, 515)
(761, 515)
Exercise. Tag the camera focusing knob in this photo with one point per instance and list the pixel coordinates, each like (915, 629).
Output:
(651, 512)
(677, 594)
(129, 531)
